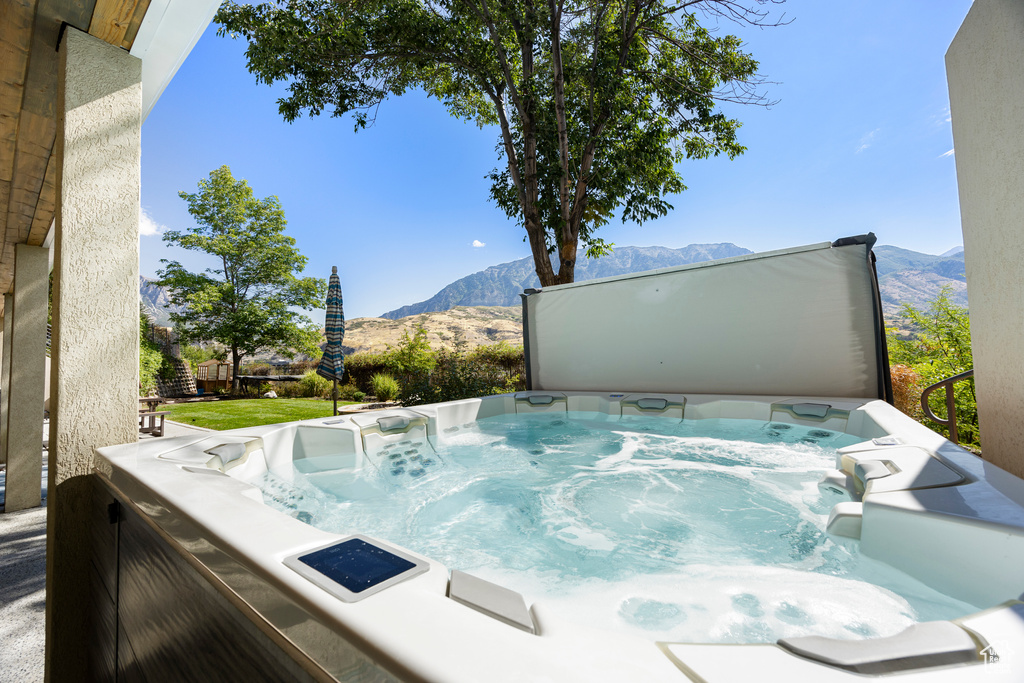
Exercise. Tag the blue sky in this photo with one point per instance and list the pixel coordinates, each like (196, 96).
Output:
(859, 141)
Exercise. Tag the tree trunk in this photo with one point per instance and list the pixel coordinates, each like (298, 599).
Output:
(236, 361)
(567, 262)
(539, 249)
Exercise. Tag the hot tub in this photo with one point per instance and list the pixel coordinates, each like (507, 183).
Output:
(902, 495)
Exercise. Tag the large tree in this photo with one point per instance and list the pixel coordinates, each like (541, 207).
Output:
(597, 101)
(246, 303)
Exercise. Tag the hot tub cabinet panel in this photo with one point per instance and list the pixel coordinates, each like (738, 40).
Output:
(171, 617)
(171, 623)
(190, 584)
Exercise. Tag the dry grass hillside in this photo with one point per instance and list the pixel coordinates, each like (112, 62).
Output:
(475, 325)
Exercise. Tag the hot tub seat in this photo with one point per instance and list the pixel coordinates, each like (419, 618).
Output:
(893, 468)
(925, 645)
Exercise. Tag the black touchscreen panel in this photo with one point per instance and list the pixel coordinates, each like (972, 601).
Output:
(356, 564)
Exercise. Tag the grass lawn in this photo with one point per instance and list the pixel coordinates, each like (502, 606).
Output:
(248, 413)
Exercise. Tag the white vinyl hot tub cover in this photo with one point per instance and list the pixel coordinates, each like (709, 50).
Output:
(805, 321)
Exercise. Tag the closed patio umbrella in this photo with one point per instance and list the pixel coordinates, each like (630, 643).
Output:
(332, 365)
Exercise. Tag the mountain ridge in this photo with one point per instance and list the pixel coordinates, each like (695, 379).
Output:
(501, 284)
(904, 276)
(156, 302)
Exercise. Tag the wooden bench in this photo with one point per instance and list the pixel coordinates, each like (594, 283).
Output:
(152, 422)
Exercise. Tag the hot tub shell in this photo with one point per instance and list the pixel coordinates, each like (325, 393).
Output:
(963, 534)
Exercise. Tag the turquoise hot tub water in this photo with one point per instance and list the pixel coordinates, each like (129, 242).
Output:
(700, 530)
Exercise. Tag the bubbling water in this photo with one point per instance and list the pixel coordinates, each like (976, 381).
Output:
(698, 531)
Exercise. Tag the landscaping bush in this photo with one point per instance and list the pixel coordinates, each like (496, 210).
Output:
(385, 387)
(150, 360)
(428, 376)
(459, 374)
(153, 363)
(360, 367)
(288, 389)
(413, 355)
(939, 347)
(503, 356)
(313, 385)
(350, 392)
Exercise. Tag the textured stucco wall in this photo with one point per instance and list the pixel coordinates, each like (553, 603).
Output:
(27, 373)
(5, 375)
(95, 348)
(985, 72)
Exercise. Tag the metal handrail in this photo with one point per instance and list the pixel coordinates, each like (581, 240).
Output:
(950, 421)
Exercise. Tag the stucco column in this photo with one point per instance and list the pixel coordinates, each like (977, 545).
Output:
(23, 436)
(985, 73)
(95, 347)
(5, 375)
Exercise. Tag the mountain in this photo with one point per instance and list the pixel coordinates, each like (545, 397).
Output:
(153, 300)
(501, 285)
(953, 252)
(904, 276)
(914, 278)
(474, 325)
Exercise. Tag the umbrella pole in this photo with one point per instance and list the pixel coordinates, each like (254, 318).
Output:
(335, 394)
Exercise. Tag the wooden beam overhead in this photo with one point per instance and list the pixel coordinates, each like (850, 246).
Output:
(133, 27)
(29, 31)
(112, 19)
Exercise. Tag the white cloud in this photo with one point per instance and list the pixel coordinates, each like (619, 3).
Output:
(866, 140)
(478, 244)
(946, 154)
(148, 226)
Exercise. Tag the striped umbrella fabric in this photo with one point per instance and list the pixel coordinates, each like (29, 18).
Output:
(332, 365)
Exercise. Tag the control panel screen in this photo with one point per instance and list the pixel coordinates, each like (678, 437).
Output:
(356, 564)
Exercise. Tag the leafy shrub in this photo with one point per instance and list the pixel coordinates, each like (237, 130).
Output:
(153, 363)
(150, 360)
(360, 367)
(412, 356)
(385, 387)
(503, 356)
(427, 376)
(288, 389)
(459, 374)
(313, 385)
(939, 348)
(350, 392)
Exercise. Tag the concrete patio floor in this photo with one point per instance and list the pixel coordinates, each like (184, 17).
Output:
(23, 598)
(23, 580)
